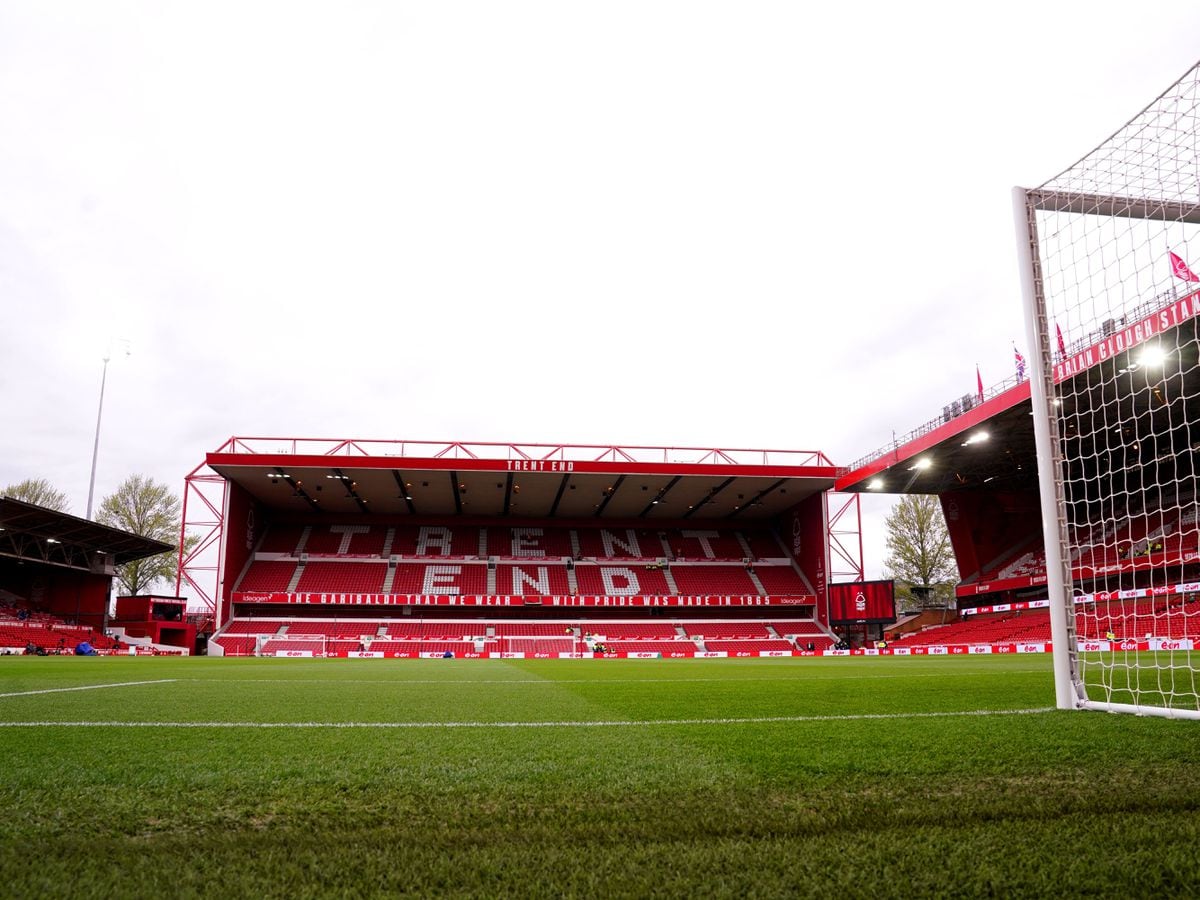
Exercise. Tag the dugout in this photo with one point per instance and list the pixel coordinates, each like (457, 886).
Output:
(161, 619)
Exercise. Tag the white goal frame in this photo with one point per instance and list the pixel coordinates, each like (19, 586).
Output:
(1136, 178)
(319, 644)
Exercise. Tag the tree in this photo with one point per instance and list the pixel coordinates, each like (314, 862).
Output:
(39, 492)
(919, 551)
(146, 508)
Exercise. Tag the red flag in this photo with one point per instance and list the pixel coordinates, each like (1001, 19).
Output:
(979, 382)
(1062, 347)
(1180, 269)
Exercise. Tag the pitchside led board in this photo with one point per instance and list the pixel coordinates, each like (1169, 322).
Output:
(862, 603)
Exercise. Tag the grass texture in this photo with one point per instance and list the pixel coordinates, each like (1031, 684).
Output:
(747, 778)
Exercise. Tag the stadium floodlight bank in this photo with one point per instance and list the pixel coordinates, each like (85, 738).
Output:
(1109, 253)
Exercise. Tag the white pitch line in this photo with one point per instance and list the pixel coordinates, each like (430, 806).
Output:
(603, 681)
(87, 687)
(610, 723)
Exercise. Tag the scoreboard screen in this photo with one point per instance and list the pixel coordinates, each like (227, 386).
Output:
(862, 602)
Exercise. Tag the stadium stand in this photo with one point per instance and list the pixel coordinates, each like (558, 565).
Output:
(544, 638)
(282, 538)
(52, 635)
(549, 646)
(630, 579)
(763, 544)
(345, 540)
(619, 543)
(533, 578)
(343, 577)
(781, 580)
(710, 579)
(806, 633)
(448, 577)
(449, 630)
(268, 575)
(706, 544)
(530, 542)
(435, 541)
(533, 629)
(749, 630)
(239, 637)
(352, 629)
(236, 645)
(254, 626)
(631, 631)
(340, 552)
(985, 629)
(524, 561)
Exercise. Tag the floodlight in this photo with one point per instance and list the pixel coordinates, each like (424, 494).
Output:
(1152, 355)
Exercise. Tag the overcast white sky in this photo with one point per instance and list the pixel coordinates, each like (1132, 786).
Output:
(775, 225)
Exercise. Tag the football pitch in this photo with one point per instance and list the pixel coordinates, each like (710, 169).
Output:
(758, 777)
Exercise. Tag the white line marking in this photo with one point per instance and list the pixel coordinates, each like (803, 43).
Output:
(87, 687)
(601, 681)
(611, 723)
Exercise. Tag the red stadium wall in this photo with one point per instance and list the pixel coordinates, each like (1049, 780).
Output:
(988, 529)
(808, 547)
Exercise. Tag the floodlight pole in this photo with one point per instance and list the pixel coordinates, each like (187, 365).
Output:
(99, 415)
(96, 443)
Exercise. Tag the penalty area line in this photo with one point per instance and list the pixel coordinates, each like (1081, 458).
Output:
(602, 723)
(86, 687)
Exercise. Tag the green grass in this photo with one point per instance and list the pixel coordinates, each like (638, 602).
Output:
(783, 799)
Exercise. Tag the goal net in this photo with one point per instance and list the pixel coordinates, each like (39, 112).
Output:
(300, 645)
(1110, 253)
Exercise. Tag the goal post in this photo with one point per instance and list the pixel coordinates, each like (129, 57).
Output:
(1068, 686)
(285, 645)
(1111, 297)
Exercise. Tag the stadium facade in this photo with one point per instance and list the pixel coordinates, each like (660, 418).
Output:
(424, 548)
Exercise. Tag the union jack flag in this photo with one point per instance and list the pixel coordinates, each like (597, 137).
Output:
(1020, 361)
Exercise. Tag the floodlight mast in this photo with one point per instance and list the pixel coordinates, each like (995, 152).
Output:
(96, 443)
(1068, 687)
(99, 416)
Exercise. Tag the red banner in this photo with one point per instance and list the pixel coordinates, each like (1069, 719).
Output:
(536, 600)
(1122, 337)
(1190, 587)
(1000, 584)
